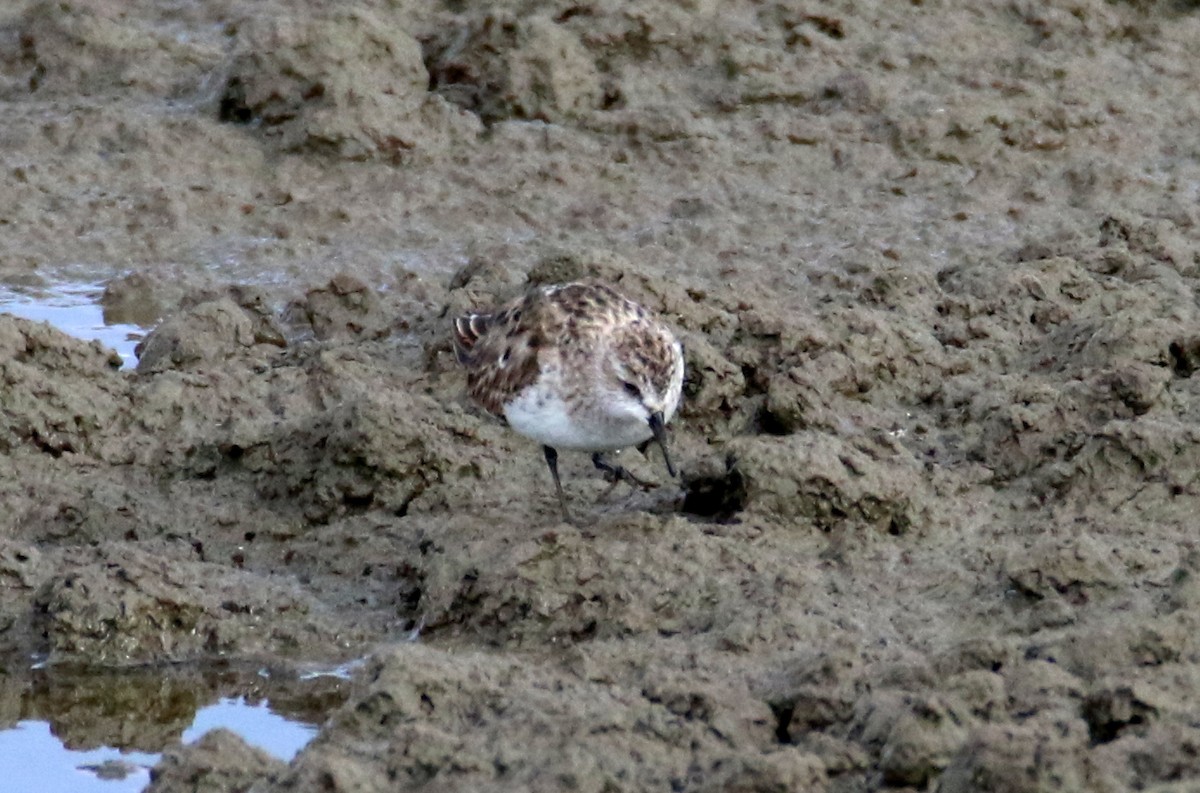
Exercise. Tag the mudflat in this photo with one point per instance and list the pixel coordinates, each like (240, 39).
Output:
(935, 269)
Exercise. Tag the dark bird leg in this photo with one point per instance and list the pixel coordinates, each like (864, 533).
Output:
(617, 473)
(552, 461)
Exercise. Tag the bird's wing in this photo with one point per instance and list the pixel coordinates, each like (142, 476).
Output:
(501, 351)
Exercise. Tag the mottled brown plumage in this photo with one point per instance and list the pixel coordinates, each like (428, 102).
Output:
(502, 363)
(574, 366)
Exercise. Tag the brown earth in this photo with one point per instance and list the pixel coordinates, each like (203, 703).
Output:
(935, 266)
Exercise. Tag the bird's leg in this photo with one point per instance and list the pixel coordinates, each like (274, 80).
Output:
(616, 473)
(552, 461)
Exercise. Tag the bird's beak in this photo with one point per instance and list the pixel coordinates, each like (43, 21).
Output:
(660, 437)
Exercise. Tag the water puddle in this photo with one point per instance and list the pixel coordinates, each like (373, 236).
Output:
(100, 770)
(75, 309)
(103, 732)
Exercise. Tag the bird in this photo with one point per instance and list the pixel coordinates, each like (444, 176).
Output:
(575, 366)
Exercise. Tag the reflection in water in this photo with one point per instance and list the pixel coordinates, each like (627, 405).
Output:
(75, 310)
(61, 769)
(258, 725)
(102, 731)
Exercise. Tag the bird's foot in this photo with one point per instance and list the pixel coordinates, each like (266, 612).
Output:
(615, 474)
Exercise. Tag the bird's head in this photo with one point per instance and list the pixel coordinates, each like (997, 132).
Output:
(644, 372)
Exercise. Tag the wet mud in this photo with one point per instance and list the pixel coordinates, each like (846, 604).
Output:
(935, 269)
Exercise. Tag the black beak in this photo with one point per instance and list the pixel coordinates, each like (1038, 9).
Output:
(660, 437)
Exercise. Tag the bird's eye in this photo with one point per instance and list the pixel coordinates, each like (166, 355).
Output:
(632, 390)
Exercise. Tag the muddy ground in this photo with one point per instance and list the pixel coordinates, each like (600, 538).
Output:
(935, 267)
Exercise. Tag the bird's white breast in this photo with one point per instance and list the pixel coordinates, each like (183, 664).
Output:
(541, 413)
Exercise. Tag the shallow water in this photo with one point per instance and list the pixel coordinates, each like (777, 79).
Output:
(103, 732)
(62, 769)
(106, 769)
(75, 309)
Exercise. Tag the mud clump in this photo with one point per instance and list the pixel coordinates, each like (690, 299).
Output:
(1042, 755)
(210, 331)
(132, 299)
(827, 483)
(119, 606)
(220, 760)
(209, 326)
(94, 49)
(354, 457)
(351, 84)
(54, 392)
(344, 309)
(432, 696)
(502, 66)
